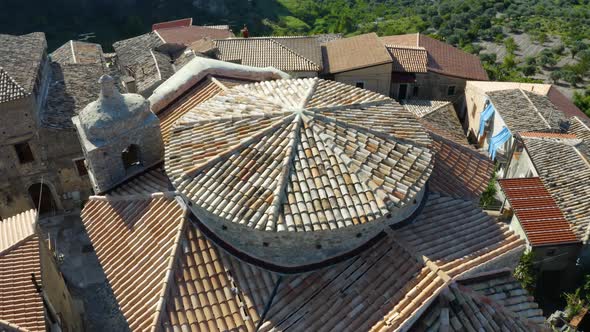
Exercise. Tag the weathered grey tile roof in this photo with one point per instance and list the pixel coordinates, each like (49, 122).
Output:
(20, 59)
(132, 51)
(9, 89)
(525, 111)
(408, 59)
(72, 87)
(421, 107)
(284, 53)
(78, 52)
(356, 161)
(581, 128)
(564, 167)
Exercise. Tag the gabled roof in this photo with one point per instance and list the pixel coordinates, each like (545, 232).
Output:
(72, 87)
(384, 288)
(408, 59)
(565, 104)
(581, 128)
(355, 53)
(20, 58)
(501, 287)
(283, 53)
(187, 35)
(21, 306)
(538, 214)
(183, 22)
(78, 52)
(442, 57)
(9, 88)
(525, 111)
(564, 169)
(459, 170)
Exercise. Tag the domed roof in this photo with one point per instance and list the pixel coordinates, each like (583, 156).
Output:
(299, 155)
(113, 113)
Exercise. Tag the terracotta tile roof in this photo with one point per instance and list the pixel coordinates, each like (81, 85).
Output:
(442, 57)
(293, 145)
(408, 59)
(443, 121)
(9, 88)
(183, 22)
(384, 288)
(20, 58)
(565, 172)
(136, 241)
(354, 53)
(448, 60)
(182, 280)
(501, 287)
(525, 111)
(539, 134)
(580, 128)
(72, 87)
(564, 103)
(10, 327)
(16, 228)
(187, 35)
(212, 291)
(457, 235)
(286, 54)
(78, 52)
(388, 286)
(459, 170)
(20, 304)
(537, 212)
(459, 308)
(176, 110)
(151, 181)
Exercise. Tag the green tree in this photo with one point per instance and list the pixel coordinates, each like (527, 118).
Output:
(511, 46)
(582, 100)
(528, 70)
(555, 76)
(576, 47)
(525, 272)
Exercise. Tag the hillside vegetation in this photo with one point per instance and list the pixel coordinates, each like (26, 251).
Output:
(560, 27)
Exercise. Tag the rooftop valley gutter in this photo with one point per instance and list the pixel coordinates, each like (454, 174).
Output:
(269, 303)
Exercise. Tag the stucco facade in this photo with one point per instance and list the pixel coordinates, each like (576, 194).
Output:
(375, 78)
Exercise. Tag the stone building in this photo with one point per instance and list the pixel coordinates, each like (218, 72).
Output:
(43, 164)
(33, 293)
(294, 204)
(119, 134)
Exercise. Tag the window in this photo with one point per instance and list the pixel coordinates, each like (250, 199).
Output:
(24, 153)
(451, 90)
(415, 91)
(131, 156)
(402, 92)
(81, 167)
(360, 85)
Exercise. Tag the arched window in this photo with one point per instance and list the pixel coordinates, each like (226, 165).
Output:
(42, 198)
(131, 156)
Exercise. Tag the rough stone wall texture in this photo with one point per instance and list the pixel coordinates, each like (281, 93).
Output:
(292, 249)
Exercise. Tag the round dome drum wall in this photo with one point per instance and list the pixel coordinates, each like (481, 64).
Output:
(295, 172)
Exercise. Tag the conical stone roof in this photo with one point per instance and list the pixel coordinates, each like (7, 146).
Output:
(300, 155)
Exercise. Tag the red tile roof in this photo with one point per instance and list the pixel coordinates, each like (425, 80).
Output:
(540, 217)
(442, 57)
(564, 104)
(188, 35)
(183, 22)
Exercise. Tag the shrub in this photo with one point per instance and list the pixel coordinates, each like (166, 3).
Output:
(525, 271)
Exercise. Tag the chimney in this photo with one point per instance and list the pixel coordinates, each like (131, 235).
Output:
(245, 32)
(130, 84)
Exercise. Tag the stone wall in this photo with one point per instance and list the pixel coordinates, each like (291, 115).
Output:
(376, 78)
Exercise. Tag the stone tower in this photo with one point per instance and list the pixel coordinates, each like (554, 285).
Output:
(119, 135)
